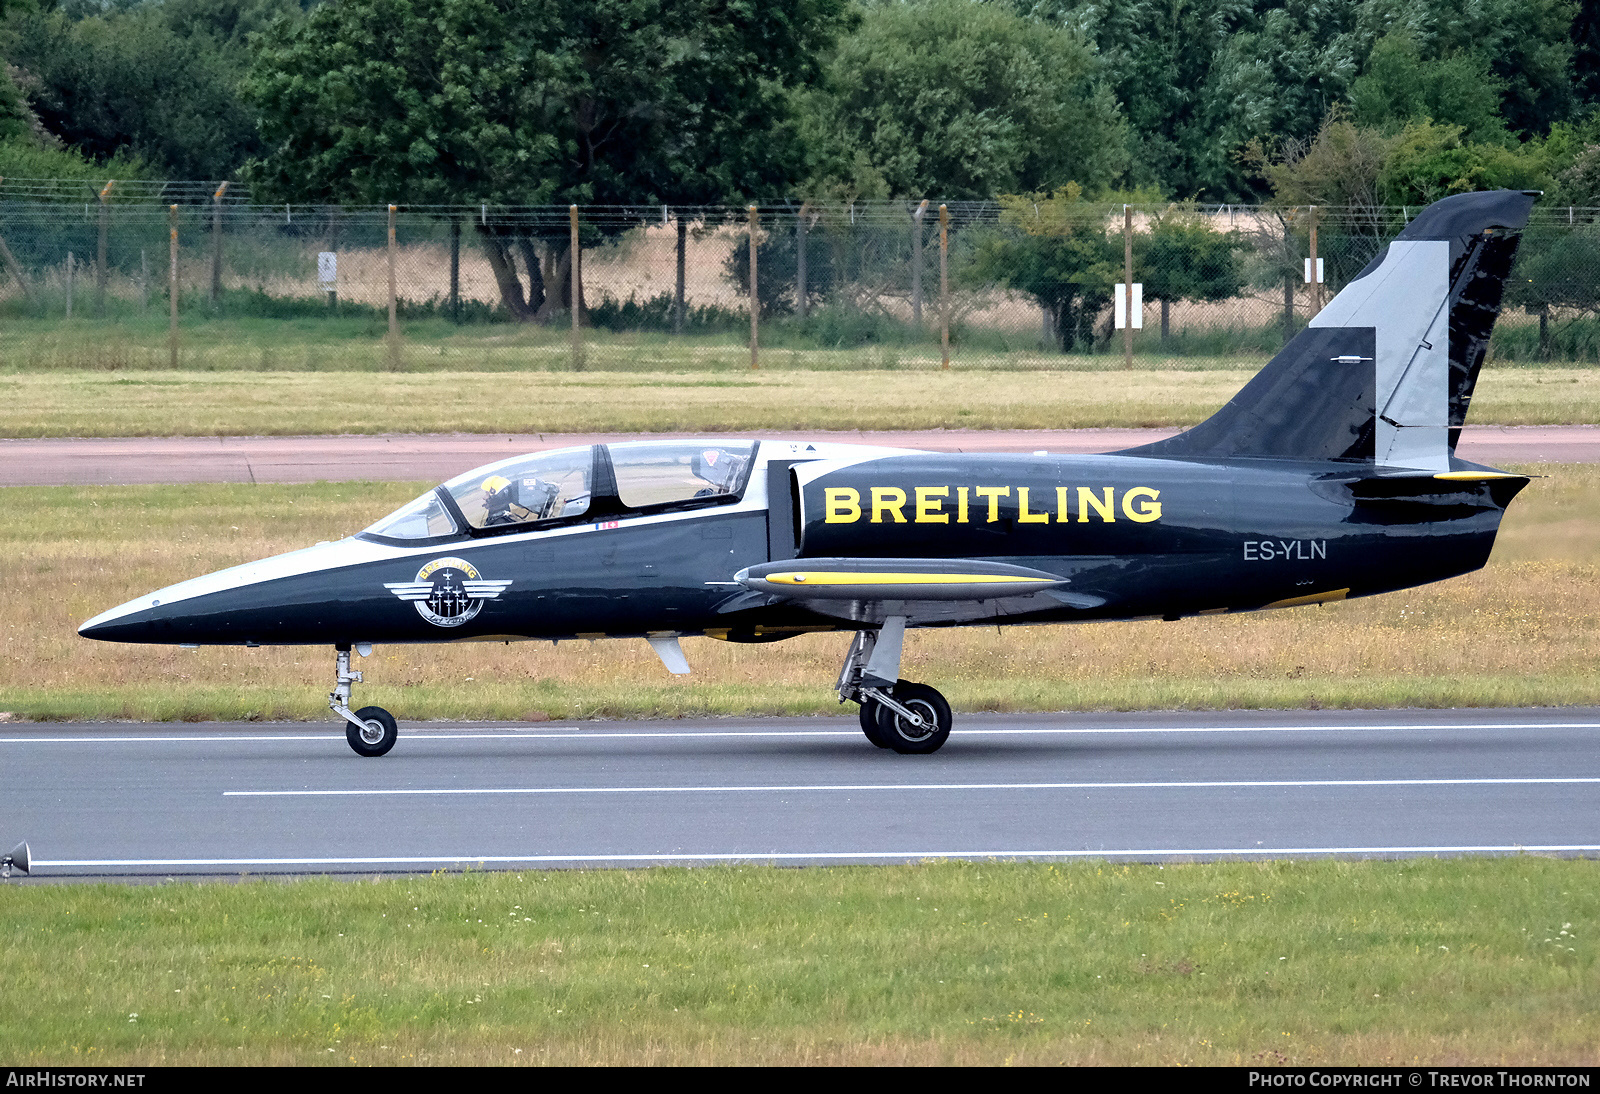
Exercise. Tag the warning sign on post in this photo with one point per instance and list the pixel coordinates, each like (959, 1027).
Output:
(1120, 306)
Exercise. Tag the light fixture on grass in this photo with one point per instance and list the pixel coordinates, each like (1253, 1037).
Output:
(17, 856)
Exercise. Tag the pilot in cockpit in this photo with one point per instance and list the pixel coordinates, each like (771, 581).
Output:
(514, 501)
(718, 467)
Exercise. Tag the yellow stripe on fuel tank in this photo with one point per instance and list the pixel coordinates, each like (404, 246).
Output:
(823, 577)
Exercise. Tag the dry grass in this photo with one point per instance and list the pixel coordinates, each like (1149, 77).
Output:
(1521, 632)
(155, 403)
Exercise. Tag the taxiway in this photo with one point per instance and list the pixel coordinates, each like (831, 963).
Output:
(118, 799)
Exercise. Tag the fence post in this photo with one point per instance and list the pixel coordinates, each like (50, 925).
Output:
(944, 284)
(100, 254)
(575, 288)
(1316, 284)
(69, 284)
(755, 297)
(16, 272)
(172, 287)
(1127, 285)
(333, 246)
(455, 270)
(144, 280)
(801, 289)
(678, 303)
(394, 311)
(216, 245)
(1288, 282)
(916, 263)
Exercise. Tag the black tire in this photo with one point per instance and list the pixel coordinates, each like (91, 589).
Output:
(869, 722)
(900, 735)
(379, 735)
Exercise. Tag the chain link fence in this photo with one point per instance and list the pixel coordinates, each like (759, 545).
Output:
(156, 274)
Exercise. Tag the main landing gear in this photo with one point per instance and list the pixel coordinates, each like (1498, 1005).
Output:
(895, 713)
(372, 730)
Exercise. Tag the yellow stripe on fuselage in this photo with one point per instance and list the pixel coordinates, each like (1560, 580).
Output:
(1314, 598)
(1473, 476)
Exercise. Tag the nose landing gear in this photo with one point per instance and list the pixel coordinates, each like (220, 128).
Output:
(372, 730)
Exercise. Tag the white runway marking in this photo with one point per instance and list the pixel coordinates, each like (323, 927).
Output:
(845, 787)
(843, 856)
(590, 735)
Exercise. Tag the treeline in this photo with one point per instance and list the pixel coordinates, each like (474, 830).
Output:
(695, 103)
(1329, 101)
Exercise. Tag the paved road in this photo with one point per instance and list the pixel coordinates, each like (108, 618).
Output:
(153, 799)
(407, 457)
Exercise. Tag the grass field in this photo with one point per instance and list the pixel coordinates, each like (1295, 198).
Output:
(1435, 962)
(359, 344)
(231, 402)
(1520, 632)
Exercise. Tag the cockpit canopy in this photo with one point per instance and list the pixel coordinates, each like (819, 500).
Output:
(593, 482)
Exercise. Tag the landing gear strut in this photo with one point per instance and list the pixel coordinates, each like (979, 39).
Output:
(372, 730)
(898, 714)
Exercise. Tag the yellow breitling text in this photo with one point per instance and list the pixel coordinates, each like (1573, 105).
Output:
(982, 505)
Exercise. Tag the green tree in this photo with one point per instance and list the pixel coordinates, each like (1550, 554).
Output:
(1427, 162)
(1524, 45)
(960, 99)
(1054, 247)
(1399, 86)
(155, 81)
(1340, 165)
(515, 102)
(1201, 79)
(1182, 257)
(1159, 57)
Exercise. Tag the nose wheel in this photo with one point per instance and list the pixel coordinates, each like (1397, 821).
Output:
(371, 731)
(375, 734)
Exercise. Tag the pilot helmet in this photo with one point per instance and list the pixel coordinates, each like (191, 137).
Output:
(495, 484)
(715, 466)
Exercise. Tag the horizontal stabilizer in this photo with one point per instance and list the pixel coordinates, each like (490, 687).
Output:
(894, 579)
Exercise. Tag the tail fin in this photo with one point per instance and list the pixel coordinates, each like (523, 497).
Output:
(1384, 373)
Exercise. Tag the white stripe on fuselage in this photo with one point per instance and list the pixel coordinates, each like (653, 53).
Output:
(354, 552)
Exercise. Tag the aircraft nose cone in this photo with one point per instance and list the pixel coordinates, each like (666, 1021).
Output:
(132, 622)
(107, 630)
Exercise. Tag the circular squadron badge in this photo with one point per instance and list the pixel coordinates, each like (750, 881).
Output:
(448, 591)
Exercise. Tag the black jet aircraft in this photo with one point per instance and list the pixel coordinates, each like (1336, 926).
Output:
(1332, 474)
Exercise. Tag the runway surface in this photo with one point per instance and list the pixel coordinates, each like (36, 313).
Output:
(118, 799)
(408, 457)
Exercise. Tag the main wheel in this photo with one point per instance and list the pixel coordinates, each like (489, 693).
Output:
(376, 734)
(869, 722)
(900, 735)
